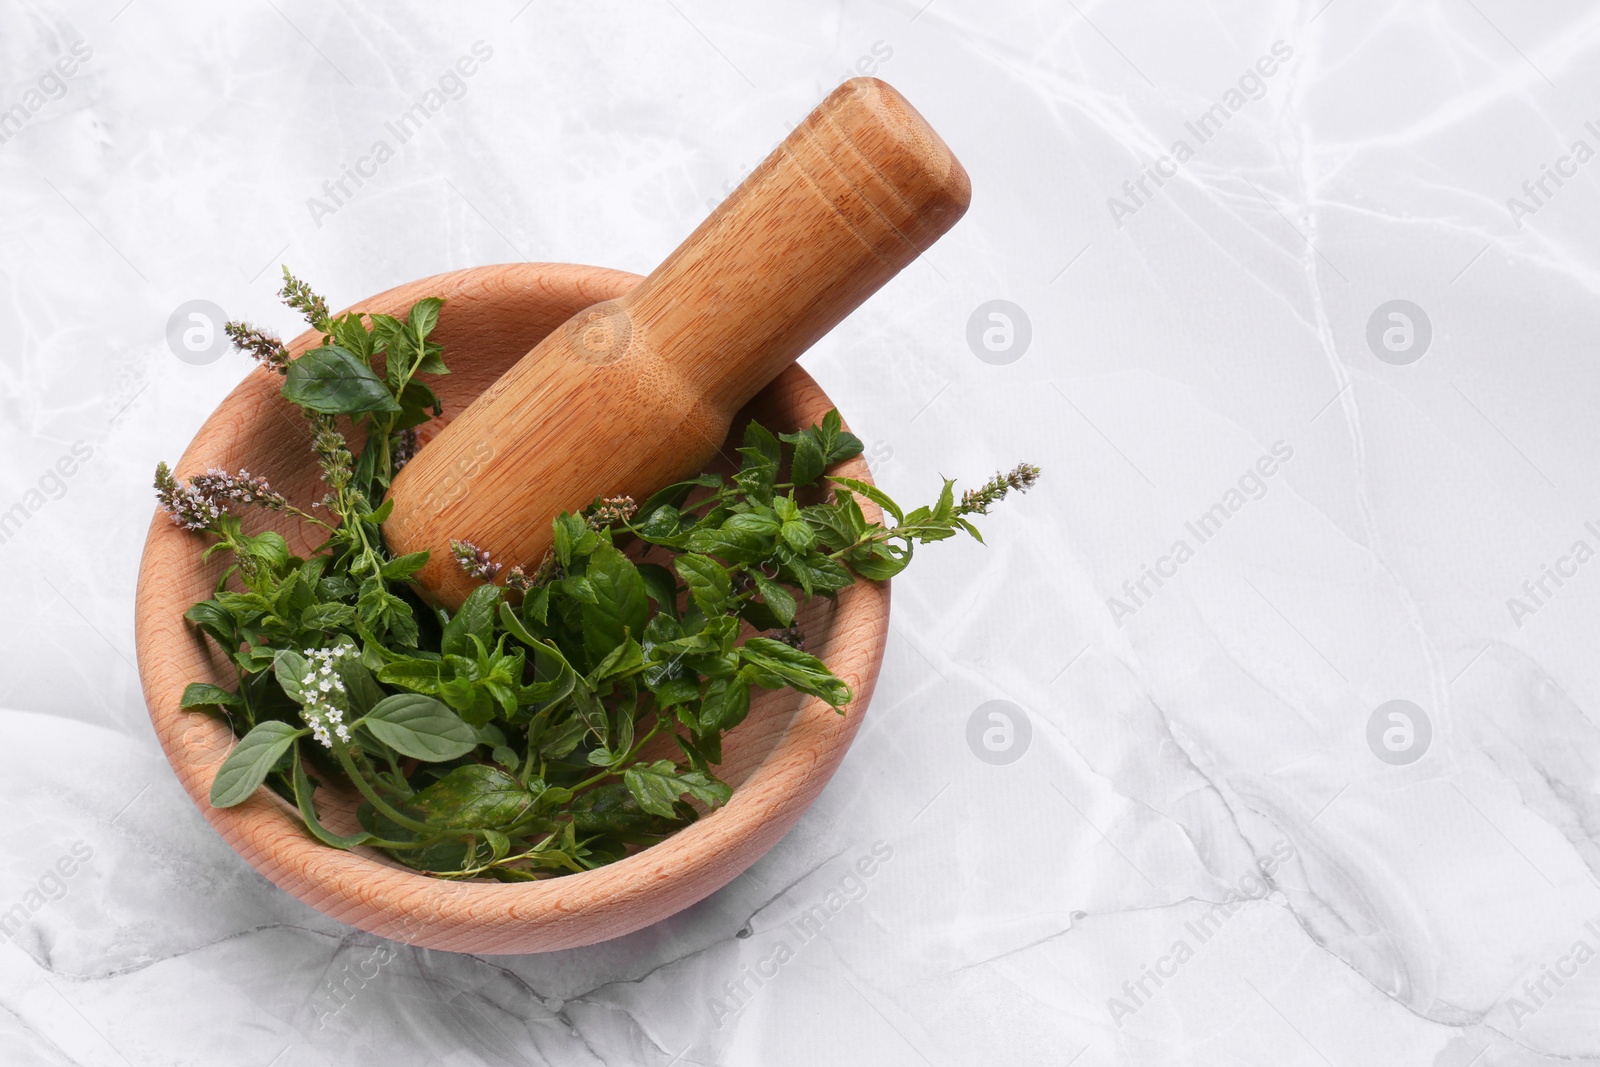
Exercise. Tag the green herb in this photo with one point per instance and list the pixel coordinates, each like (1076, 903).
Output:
(509, 739)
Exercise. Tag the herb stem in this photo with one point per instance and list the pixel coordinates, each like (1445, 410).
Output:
(632, 752)
(361, 783)
(308, 517)
(244, 694)
(394, 766)
(527, 767)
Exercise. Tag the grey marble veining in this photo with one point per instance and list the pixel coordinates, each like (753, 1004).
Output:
(1262, 732)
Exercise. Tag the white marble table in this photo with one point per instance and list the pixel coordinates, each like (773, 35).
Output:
(1200, 833)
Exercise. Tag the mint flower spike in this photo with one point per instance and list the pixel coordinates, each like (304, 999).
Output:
(474, 561)
(976, 501)
(187, 506)
(403, 449)
(791, 636)
(299, 296)
(333, 453)
(517, 580)
(263, 347)
(208, 496)
(611, 510)
(242, 488)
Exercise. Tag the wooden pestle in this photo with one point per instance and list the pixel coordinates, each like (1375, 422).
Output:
(636, 393)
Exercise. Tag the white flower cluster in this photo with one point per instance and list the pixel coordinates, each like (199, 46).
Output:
(323, 692)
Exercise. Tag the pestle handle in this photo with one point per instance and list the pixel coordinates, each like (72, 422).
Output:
(635, 393)
(855, 193)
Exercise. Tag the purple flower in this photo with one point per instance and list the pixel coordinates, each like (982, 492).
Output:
(791, 637)
(610, 510)
(474, 561)
(208, 496)
(262, 346)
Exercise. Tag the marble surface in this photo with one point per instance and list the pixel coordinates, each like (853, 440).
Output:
(1135, 788)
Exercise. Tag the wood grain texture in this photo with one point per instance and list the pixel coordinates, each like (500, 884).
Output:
(639, 391)
(778, 760)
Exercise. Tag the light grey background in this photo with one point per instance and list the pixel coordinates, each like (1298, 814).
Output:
(1431, 897)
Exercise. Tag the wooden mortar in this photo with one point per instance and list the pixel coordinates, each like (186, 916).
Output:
(778, 760)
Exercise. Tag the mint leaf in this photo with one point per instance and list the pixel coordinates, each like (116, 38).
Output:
(746, 537)
(704, 788)
(838, 443)
(475, 797)
(760, 467)
(424, 317)
(809, 460)
(661, 587)
(726, 703)
(623, 659)
(779, 599)
(251, 760)
(216, 621)
(204, 694)
(475, 619)
(620, 608)
(420, 727)
(874, 494)
(418, 675)
(655, 787)
(708, 581)
(324, 616)
(777, 664)
(333, 381)
(403, 567)
(289, 667)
